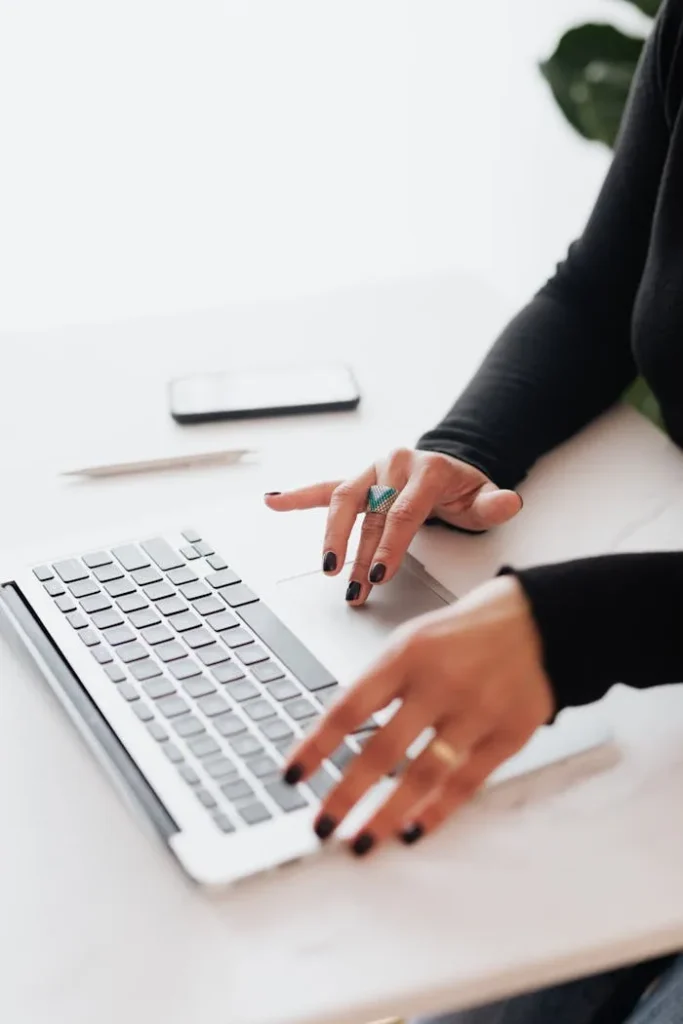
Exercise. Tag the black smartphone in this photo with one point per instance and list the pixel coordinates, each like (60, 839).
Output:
(267, 391)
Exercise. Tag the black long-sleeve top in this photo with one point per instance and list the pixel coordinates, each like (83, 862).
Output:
(613, 311)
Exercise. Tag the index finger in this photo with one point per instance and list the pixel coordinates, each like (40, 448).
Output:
(413, 505)
(313, 496)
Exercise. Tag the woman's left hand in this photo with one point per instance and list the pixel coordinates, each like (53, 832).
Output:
(474, 674)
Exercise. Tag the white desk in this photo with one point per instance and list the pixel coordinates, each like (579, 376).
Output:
(96, 924)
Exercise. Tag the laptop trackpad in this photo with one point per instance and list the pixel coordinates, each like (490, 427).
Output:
(346, 639)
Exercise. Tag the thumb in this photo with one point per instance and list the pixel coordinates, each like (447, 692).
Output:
(490, 507)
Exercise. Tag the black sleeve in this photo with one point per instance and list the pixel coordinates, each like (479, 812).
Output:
(567, 357)
(616, 618)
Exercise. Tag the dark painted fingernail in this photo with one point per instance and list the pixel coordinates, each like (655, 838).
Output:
(329, 561)
(378, 572)
(353, 590)
(272, 494)
(363, 844)
(412, 834)
(324, 827)
(294, 774)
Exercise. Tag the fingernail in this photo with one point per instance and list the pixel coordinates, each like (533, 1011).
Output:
(378, 572)
(353, 590)
(272, 494)
(363, 844)
(324, 827)
(294, 774)
(412, 834)
(521, 500)
(329, 561)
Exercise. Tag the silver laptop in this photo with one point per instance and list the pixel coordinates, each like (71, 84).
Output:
(192, 668)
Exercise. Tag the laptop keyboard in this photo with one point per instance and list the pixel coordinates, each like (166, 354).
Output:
(221, 684)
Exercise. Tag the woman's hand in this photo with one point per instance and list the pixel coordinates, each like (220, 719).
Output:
(473, 673)
(430, 484)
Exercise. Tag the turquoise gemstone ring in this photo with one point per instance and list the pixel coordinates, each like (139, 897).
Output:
(380, 499)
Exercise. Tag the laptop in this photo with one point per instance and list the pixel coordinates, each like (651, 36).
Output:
(194, 662)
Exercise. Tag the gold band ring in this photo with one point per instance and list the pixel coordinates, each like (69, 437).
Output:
(447, 754)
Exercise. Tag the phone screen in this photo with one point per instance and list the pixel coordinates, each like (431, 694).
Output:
(263, 391)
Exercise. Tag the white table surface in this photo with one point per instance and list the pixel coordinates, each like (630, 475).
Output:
(558, 877)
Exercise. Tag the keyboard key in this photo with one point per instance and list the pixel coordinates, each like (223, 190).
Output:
(143, 711)
(276, 730)
(131, 603)
(65, 603)
(237, 790)
(259, 709)
(197, 687)
(262, 767)
(172, 753)
(198, 638)
(185, 621)
(185, 668)
(96, 559)
(254, 813)
(341, 757)
(250, 654)
(170, 651)
(213, 705)
(108, 572)
(156, 635)
(119, 587)
(182, 575)
(220, 768)
(221, 621)
(188, 725)
(286, 646)
(189, 552)
(146, 669)
(82, 588)
(243, 689)
(89, 637)
(283, 689)
(213, 655)
(157, 732)
(237, 637)
(131, 557)
(193, 591)
(230, 725)
(300, 709)
(171, 707)
(119, 635)
(101, 654)
(224, 578)
(216, 562)
(203, 746)
(54, 588)
(227, 672)
(191, 535)
(238, 595)
(108, 618)
(189, 774)
(224, 823)
(321, 783)
(161, 552)
(157, 591)
(205, 798)
(285, 747)
(70, 570)
(171, 606)
(156, 688)
(267, 671)
(143, 577)
(286, 797)
(96, 603)
(115, 673)
(329, 696)
(208, 605)
(245, 745)
(132, 652)
(203, 547)
(145, 617)
(43, 573)
(128, 692)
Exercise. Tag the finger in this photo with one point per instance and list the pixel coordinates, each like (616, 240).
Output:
(375, 690)
(346, 502)
(313, 496)
(405, 517)
(379, 757)
(359, 587)
(426, 774)
(489, 507)
(459, 787)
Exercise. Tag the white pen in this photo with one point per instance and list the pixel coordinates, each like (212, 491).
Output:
(221, 458)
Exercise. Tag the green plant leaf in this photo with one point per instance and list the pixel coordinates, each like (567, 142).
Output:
(642, 399)
(649, 7)
(590, 75)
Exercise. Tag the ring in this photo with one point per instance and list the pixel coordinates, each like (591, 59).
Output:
(447, 754)
(380, 499)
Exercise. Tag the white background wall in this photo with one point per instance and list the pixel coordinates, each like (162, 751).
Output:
(158, 155)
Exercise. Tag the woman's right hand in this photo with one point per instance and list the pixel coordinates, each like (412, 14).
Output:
(429, 484)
